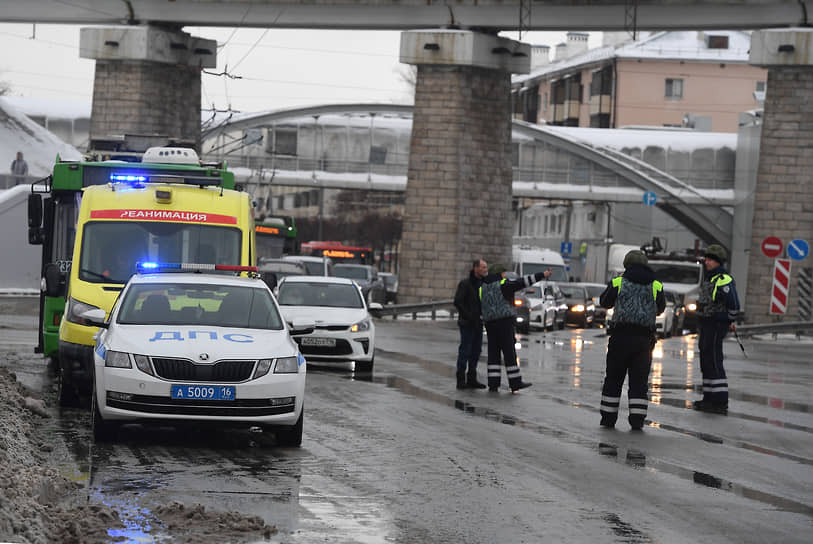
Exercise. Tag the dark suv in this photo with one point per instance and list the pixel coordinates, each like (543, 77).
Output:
(366, 276)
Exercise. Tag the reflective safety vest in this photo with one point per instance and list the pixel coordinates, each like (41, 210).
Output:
(632, 306)
(707, 301)
(493, 305)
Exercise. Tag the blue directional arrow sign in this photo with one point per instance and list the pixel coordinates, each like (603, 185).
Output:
(650, 198)
(798, 249)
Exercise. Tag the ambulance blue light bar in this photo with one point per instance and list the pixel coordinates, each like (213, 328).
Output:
(146, 267)
(128, 178)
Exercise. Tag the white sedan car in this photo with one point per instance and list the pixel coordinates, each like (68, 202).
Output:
(344, 330)
(198, 347)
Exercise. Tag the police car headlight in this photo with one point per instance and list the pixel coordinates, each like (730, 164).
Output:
(143, 363)
(117, 359)
(263, 366)
(286, 365)
(361, 326)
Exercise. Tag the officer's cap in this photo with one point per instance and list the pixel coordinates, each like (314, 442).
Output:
(636, 256)
(716, 252)
(496, 268)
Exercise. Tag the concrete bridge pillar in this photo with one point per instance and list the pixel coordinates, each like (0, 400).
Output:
(147, 80)
(458, 196)
(783, 199)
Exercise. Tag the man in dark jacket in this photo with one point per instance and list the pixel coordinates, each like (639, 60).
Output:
(717, 306)
(637, 298)
(467, 302)
(496, 299)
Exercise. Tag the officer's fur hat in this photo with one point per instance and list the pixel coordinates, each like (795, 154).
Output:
(716, 252)
(635, 256)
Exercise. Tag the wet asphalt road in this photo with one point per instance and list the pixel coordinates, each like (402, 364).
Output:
(402, 456)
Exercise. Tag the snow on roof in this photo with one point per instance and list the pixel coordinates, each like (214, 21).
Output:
(668, 45)
(39, 146)
(621, 138)
(51, 108)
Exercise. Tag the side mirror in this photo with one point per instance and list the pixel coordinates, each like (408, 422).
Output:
(95, 317)
(375, 306)
(34, 210)
(54, 281)
(270, 279)
(302, 326)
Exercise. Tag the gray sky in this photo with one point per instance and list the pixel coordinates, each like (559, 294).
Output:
(279, 68)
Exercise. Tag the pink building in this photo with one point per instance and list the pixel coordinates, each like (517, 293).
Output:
(699, 79)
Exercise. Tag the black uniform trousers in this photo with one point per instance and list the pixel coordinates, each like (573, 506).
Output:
(627, 354)
(501, 340)
(710, 340)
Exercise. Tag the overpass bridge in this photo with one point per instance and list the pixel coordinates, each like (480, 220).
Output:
(605, 174)
(461, 145)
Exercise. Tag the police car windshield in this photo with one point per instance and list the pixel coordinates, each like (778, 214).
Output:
(331, 295)
(199, 304)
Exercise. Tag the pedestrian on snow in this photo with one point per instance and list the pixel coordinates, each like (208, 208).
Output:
(637, 298)
(717, 307)
(19, 168)
(467, 302)
(496, 299)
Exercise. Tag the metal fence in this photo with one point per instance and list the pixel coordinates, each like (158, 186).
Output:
(436, 309)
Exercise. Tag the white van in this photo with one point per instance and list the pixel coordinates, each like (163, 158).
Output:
(530, 260)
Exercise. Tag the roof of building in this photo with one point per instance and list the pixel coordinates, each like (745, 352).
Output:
(667, 45)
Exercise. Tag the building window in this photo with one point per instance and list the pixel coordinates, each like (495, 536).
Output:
(760, 88)
(674, 88)
(718, 42)
(285, 141)
(545, 103)
(546, 224)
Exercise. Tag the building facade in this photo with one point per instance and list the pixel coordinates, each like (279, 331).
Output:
(695, 79)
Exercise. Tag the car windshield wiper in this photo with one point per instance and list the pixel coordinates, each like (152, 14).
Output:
(99, 276)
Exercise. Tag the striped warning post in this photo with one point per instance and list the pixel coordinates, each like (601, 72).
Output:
(805, 293)
(781, 286)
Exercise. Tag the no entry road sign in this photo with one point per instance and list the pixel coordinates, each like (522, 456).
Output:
(771, 246)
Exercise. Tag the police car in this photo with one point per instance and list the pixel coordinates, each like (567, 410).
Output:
(202, 347)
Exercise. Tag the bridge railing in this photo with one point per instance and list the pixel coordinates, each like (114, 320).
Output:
(798, 328)
(435, 309)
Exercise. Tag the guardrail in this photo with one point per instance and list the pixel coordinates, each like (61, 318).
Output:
(395, 310)
(798, 327)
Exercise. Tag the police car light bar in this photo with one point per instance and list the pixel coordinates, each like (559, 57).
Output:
(143, 267)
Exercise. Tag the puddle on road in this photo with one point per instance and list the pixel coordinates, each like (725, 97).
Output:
(634, 458)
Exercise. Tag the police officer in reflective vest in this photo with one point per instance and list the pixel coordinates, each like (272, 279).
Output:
(637, 298)
(717, 306)
(496, 301)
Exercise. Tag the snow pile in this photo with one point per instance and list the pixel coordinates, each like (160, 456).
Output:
(39, 146)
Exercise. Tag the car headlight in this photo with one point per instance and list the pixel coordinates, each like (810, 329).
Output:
(73, 310)
(117, 359)
(610, 312)
(578, 308)
(143, 364)
(361, 326)
(263, 366)
(286, 365)
(518, 302)
(692, 307)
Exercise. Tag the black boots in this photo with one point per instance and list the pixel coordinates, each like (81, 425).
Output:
(710, 407)
(468, 381)
(520, 385)
(472, 383)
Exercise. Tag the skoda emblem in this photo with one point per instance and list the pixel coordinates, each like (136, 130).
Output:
(204, 356)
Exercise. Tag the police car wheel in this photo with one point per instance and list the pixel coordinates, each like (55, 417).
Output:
(291, 436)
(103, 431)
